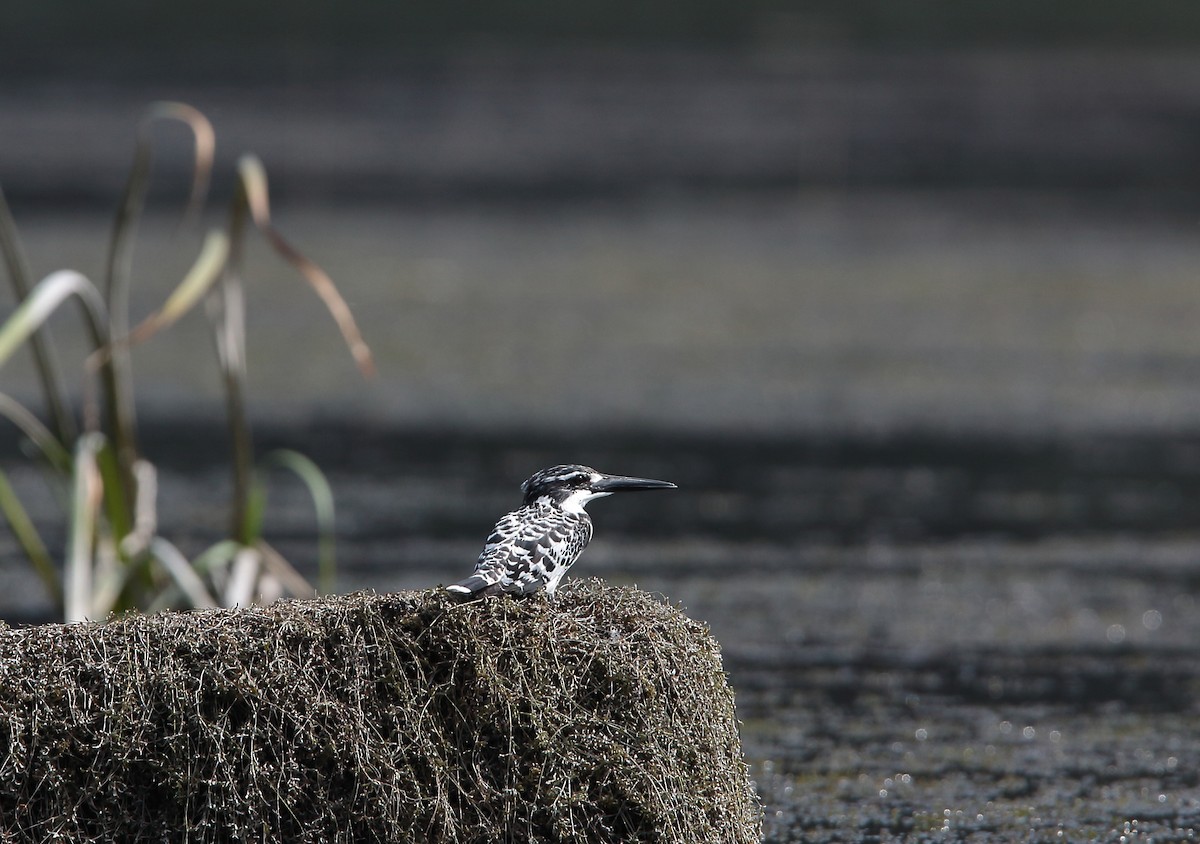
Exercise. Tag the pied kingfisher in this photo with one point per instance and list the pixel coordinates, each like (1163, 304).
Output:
(532, 548)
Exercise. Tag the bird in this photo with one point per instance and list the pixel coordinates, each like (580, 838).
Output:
(531, 548)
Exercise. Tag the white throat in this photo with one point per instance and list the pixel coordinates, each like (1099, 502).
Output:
(575, 502)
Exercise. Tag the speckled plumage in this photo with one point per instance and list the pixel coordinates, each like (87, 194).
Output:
(531, 548)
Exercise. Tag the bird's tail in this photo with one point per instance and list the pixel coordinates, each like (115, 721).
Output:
(473, 587)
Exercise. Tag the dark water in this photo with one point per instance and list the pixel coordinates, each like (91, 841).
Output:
(931, 638)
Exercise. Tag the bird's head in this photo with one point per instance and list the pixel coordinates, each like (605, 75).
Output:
(572, 486)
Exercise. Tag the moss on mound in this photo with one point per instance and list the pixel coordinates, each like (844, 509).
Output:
(404, 717)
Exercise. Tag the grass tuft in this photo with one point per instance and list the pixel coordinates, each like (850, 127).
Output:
(115, 559)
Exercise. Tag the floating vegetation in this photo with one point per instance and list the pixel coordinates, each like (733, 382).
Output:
(605, 716)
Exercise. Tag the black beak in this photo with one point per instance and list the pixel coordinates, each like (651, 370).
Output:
(619, 483)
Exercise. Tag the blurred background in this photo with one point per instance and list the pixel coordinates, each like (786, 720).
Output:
(904, 296)
(780, 217)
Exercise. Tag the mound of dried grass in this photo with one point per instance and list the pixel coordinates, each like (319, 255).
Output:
(405, 717)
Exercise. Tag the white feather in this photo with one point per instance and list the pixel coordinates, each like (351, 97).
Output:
(575, 502)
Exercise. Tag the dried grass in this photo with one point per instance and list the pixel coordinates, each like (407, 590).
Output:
(403, 717)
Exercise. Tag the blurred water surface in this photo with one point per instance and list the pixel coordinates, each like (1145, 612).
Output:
(936, 440)
(805, 312)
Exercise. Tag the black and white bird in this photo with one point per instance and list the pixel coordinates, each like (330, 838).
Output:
(532, 548)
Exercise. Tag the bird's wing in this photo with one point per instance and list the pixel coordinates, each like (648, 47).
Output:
(526, 549)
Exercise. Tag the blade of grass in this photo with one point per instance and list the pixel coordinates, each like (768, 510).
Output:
(36, 308)
(322, 498)
(247, 563)
(226, 309)
(211, 559)
(55, 452)
(145, 512)
(85, 506)
(30, 541)
(205, 142)
(119, 269)
(182, 573)
(109, 577)
(270, 589)
(21, 278)
(278, 566)
(44, 300)
(253, 181)
(205, 272)
(256, 508)
(116, 496)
